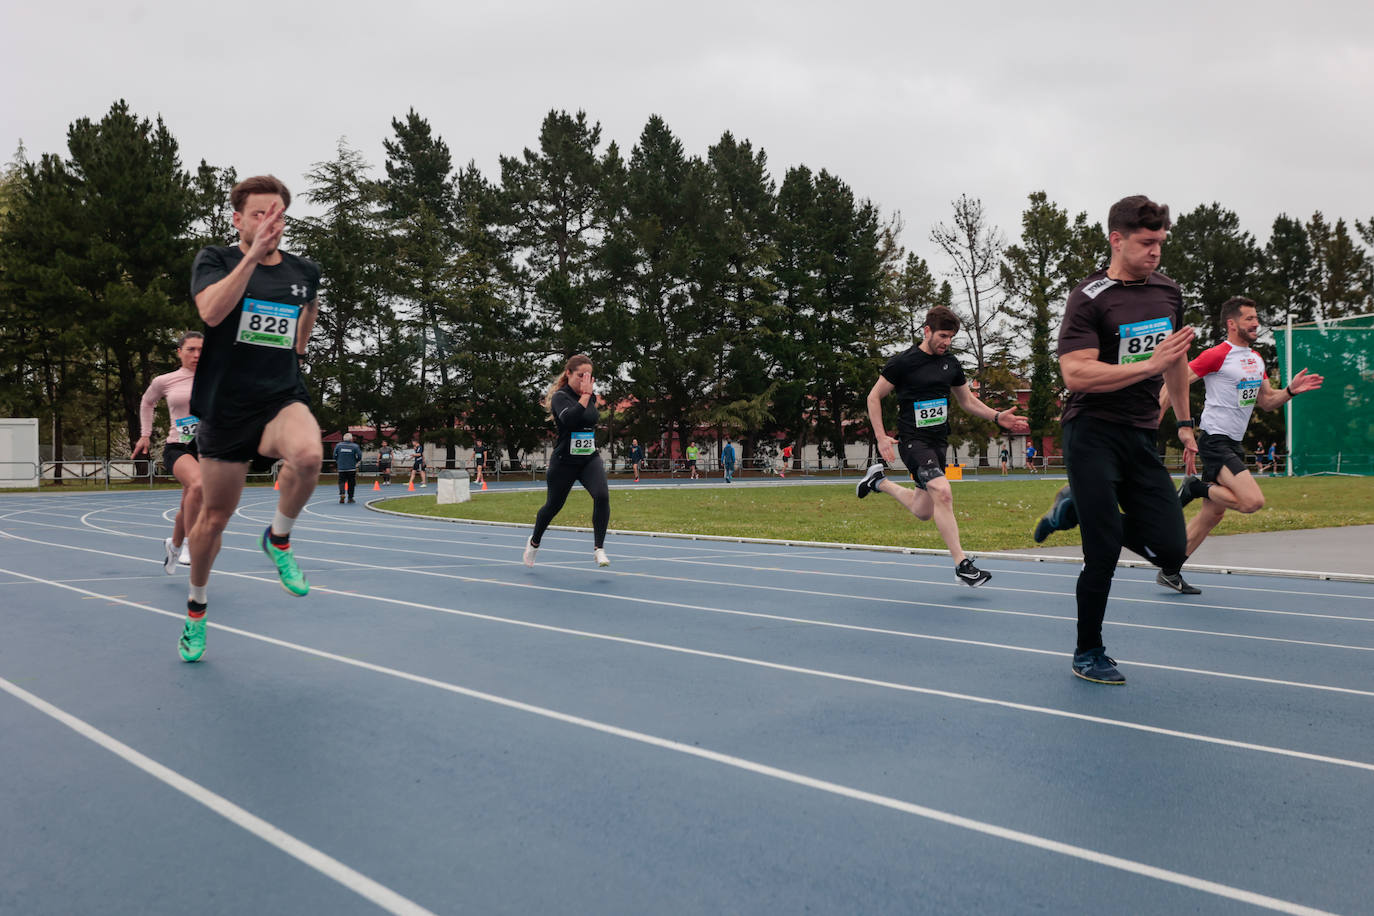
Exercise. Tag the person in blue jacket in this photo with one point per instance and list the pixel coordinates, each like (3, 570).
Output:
(727, 461)
(572, 401)
(347, 457)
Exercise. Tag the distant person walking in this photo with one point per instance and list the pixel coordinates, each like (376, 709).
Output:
(727, 461)
(384, 464)
(417, 463)
(693, 453)
(479, 458)
(347, 457)
(636, 457)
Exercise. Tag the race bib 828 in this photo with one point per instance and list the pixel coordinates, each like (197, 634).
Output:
(268, 324)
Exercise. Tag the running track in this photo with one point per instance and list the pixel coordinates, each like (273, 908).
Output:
(702, 728)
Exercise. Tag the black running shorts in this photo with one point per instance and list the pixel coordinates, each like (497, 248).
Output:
(925, 460)
(172, 452)
(1217, 452)
(238, 441)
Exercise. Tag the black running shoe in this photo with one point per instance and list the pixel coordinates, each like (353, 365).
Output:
(971, 575)
(1061, 517)
(1192, 489)
(1095, 665)
(1176, 583)
(872, 477)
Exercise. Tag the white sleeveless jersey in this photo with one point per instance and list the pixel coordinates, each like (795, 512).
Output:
(1233, 376)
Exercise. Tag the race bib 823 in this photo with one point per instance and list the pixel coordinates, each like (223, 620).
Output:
(268, 324)
(1247, 392)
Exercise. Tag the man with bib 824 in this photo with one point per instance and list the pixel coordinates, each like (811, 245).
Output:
(259, 304)
(924, 377)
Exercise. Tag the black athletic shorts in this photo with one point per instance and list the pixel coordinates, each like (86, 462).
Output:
(172, 452)
(925, 460)
(1217, 452)
(239, 442)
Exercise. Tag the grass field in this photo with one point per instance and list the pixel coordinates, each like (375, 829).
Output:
(993, 514)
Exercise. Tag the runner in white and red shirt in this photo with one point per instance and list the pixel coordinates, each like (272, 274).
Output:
(1236, 385)
(179, 455)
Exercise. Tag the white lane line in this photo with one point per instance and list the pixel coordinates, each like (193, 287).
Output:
(848, 555)
(954, 820)
(321, 862)
(513, 562)
(922, 551)
(710, 610)
(779, 666)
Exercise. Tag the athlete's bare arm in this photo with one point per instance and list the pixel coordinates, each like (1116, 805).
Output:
(1085, 374)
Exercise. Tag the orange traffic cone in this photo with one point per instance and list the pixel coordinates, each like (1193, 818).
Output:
(376, 485)
(276, 484)
(411, 486)
(484, 485)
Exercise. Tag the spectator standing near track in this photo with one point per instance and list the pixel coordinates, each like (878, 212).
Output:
(1259, 457)
(572, 402)
(1121, 338)
(1004, 456)
(259, 304)
(1233, 374)
(692, 454)
(384, 463)
(923, 379)
(1030, 457)
(636, 457)
(347, 457)
(179, 455)
(1273, 457)
(785, 461)
(417, 463)
(727, 461)
(479, 458)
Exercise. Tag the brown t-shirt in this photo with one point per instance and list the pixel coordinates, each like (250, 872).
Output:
(1123, 323)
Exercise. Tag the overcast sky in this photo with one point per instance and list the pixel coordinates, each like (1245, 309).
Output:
(1264, 107)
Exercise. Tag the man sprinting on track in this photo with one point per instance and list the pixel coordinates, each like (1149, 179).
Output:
(259, 305)
(1233, 374)
(924, 377)
(1122, 336)
(179, 455)
(572, 401)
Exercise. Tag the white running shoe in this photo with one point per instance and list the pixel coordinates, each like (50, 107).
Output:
(529, 553)
(169, 559)
(601, 558)
(184, 558)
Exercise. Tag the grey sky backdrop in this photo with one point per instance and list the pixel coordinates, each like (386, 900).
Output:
(1262, 106)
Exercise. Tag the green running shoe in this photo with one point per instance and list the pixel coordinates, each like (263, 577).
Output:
(192, 642)
(292, 579)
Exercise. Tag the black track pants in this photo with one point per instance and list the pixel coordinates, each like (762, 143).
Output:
(562, 476)
(1125, 498)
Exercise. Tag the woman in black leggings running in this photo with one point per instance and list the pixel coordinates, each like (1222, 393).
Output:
(572, 401)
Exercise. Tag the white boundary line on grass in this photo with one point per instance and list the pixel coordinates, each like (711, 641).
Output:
(877, 548)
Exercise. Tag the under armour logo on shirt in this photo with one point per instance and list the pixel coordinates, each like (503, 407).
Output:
(298, 289)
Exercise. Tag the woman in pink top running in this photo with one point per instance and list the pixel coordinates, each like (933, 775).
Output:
(179, 455)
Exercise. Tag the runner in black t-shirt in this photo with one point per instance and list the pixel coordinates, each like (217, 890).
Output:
(1121, 338)
(259, 304)
(479, 458)
(572, 401)
(924, 377)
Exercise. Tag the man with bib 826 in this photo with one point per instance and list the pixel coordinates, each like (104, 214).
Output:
(924, 377)
(1233, 374)
(1121, 338)
(259, 304)
(572, 401)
